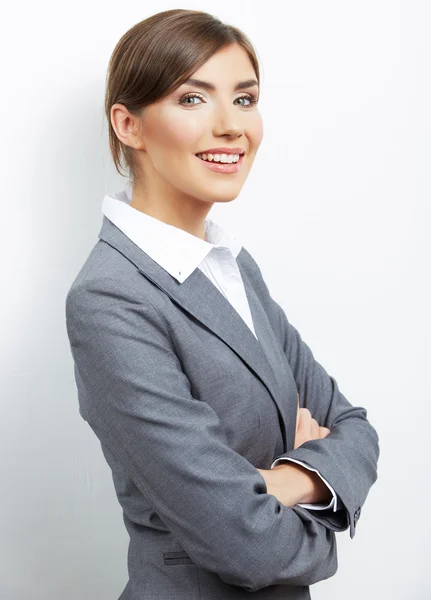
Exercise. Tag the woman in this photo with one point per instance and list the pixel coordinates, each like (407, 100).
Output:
(234, 455)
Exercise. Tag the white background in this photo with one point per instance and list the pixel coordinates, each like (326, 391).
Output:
(338, 200)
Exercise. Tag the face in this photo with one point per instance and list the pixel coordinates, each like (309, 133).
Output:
(193, 119)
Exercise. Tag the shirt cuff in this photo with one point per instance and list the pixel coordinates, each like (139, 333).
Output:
(316, 505)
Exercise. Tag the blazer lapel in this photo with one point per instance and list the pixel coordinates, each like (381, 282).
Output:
(199, 297)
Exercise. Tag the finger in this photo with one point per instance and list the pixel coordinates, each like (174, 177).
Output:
(297, 418)
(299, 435)
(324, 431)
(305, 428)
(315, 430)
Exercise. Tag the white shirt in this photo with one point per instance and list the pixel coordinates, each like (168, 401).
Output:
(180, 253)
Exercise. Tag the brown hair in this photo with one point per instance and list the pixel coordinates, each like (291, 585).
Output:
(156, 56)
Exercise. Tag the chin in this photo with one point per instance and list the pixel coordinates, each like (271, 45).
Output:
(225, 198)
(224, 192)
(219, 197)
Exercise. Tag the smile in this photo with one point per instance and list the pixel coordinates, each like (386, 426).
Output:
(220, 167)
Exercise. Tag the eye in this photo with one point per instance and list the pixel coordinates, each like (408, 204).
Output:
(250, 97)
(187, 96)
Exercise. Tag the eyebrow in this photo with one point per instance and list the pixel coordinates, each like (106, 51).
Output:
(210, 87)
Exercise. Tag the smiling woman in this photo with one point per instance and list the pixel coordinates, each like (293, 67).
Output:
(200, 99)
(187, 370)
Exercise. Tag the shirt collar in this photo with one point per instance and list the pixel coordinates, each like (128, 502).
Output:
(177, 251)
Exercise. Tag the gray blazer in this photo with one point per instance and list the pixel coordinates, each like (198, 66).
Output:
(187, 404)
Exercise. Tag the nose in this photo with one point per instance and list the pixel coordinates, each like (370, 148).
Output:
(227, 120)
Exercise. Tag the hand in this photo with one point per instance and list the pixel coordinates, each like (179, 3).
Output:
(307, 428)
(291, 483)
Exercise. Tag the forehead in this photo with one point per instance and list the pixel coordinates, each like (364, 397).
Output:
(228, 64)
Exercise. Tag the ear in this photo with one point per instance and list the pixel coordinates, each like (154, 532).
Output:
(126, 126)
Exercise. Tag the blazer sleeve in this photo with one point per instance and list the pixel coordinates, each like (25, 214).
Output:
(313, 505)
(137, 399)
(347, 457)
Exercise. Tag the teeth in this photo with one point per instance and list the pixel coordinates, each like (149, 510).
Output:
(224, 158)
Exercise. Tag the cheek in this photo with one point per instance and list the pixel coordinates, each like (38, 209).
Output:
(255, 131)
(182, 133)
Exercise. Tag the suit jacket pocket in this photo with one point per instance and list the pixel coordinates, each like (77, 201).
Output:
(177, 558)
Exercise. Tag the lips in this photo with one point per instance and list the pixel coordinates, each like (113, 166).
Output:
(223, 167)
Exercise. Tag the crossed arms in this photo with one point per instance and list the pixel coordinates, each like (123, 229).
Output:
(133, 393)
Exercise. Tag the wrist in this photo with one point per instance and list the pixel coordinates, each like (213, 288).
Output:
(295, 484)
(292, 483)
(315, 489)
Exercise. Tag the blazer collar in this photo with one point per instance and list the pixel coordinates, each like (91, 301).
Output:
(177, 251)
(199, 297)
